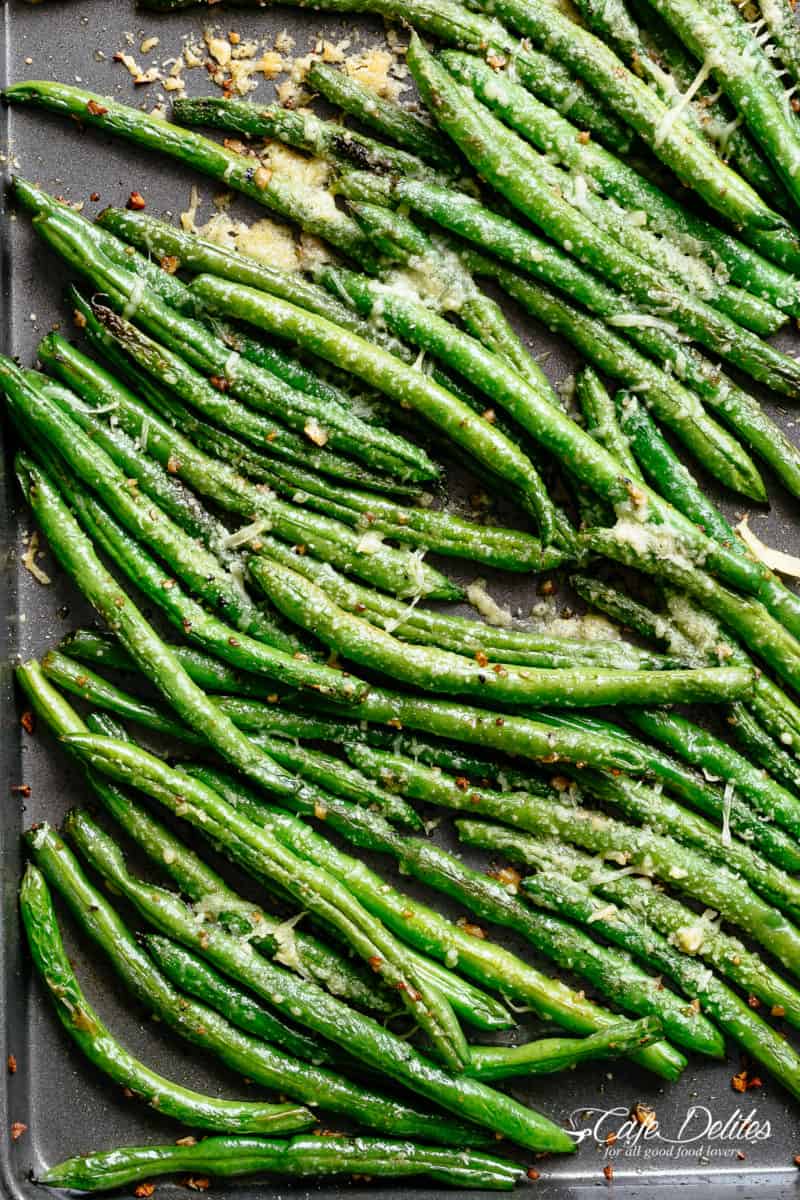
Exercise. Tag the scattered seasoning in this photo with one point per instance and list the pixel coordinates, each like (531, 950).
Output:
(29, 561)
(21, 789)
(136, 201)
(97, 110)
(144, 1190)
(644, 1115)
(17, 1130)
(532, 1174)
(506, 875)
(473, 930)
(28, 721)
(12, 1064)
(744, 1082)
(608, 1171)
(95, 196)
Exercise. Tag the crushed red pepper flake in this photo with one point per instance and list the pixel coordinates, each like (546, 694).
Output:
(97, 110)
(532, 1174)
(744, 1082)
(136, 201)
(12, 1064)
(21, 789)
(473, 930)
(143, 1190)
(17, 1130)
(28, 721)
(198, 1183)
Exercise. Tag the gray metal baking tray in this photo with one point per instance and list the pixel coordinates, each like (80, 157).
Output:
(707, 1135)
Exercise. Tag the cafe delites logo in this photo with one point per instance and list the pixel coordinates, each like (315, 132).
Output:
(698, 1133)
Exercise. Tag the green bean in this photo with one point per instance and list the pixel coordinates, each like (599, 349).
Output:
(619, 359)
(393, 569)
(639, 803)
(237, 171)
(192, 340)
(547, 1056)
(694, 934)
(443, 671)
(461, 634)
(780, 22)
(444, 281)
(414, 321)
(634, 545)
(100, 649)
(315, 1009)
(199, 569)
(263, 856)
(701, 748)
(102, 1049)
(204, 1028)
(194, 977)
(441, 939)
(190, 617)
(601, 420)
(303, 130)
(620, 926)
(441, 532)
(177, 295)
(390, 120)
(718, 32)
(488, 144)
(309, 1157)
(557, 136)
(371, 363)
(630, 98)
(198, 881)
(151, 654)
(667, 473)
(760, 747)
(198, 255)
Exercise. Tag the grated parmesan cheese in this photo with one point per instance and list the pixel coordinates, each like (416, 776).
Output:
(489, 609)
(29, 561)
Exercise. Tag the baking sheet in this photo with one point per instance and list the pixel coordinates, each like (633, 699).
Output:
(707, 1135)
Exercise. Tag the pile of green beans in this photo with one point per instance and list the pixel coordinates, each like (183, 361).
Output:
(261, 457)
